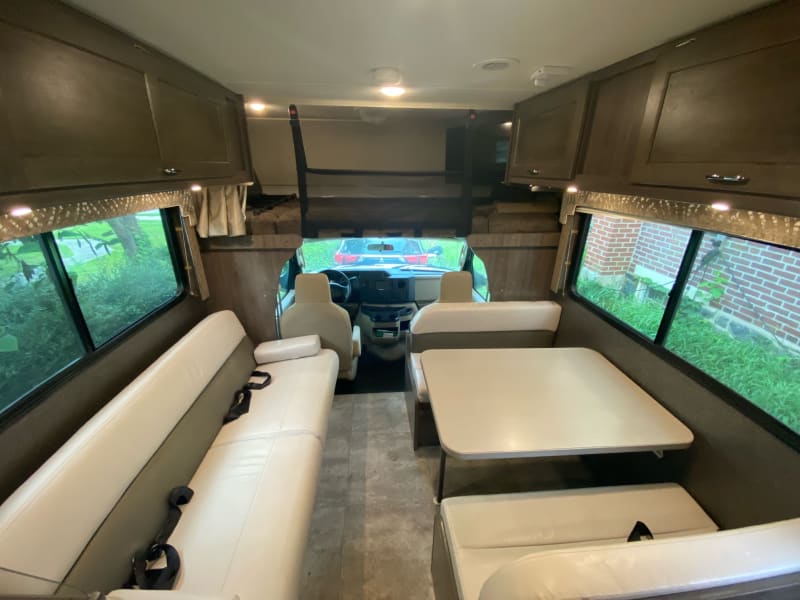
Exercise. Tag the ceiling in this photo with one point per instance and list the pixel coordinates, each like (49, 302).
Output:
(320, 52)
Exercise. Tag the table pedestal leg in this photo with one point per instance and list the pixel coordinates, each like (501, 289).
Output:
(440, 489)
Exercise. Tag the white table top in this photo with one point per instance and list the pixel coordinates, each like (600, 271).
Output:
(535, 402)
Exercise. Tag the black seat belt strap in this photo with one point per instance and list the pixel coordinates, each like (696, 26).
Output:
(640, 532)
(239, 407)
(252, 385)
(177, 497)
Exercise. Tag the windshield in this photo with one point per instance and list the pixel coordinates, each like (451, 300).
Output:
(389, 253)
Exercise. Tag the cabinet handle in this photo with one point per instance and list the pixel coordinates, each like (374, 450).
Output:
(727, 179)
(171, 171)
(533, 171)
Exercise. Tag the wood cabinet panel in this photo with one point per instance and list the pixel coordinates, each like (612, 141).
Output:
(72, 117)
(546, 134)
(618, 104)
(723, 111)
(199, 133)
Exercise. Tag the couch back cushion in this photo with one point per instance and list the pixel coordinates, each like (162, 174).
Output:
(46, 525)
(516, 324)
(652, 568)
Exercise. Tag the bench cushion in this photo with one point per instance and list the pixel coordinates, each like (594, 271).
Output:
(61, 506)
(418, 377)
(245, 530)
(465, 317)
(297, 401)
(485, 533)
(651, 568)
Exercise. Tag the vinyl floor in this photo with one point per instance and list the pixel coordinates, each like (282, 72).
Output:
(372, 527)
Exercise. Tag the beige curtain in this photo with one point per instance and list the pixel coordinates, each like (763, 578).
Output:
(222, 211)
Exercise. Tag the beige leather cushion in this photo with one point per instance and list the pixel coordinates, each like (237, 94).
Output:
(245, 530)
(312, 287)
(286, 349)
(48, 521)
(418, 377)
(456, 286)
(485, 533)
(297, 401)
(661, 566)
(540, 315)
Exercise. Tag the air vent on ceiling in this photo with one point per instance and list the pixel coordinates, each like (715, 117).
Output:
(496, 64)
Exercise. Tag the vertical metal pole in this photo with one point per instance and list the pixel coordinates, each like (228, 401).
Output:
(440, 487)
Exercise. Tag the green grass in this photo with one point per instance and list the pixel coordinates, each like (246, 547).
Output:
(757, 369)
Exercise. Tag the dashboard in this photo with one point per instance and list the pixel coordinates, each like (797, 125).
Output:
(383, 287)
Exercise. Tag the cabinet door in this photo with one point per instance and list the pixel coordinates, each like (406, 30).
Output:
(199, 132)
(618, 104)
(72, 117)
(546, 134)
(724, 110)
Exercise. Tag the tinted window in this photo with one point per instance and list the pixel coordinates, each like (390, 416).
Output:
(628, 268)
(121, 270)
(37, 335)
(739, 321)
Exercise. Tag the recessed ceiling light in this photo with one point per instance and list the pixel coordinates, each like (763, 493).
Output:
(393, 91)
(20, 211)
(257, 106)
(508, 124)
(196, 187)
(572, 189)
(496, 64)
(721, 206)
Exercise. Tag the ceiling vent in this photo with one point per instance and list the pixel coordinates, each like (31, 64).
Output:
(496, 64)
(386, 76)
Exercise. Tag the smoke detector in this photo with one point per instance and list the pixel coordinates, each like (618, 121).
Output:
(496, 64)
(547, 76)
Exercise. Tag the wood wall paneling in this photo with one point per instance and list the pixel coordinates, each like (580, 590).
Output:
(243, 276)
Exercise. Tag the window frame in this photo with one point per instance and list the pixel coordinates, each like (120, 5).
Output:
(92, 352)
(733, 398)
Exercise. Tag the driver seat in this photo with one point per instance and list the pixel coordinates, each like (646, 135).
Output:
(313, 312)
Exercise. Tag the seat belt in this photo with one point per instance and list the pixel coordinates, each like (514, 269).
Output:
(640, 532)
(162, 578)
(241, 399)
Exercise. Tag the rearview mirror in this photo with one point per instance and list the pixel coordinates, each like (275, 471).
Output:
(380, 247)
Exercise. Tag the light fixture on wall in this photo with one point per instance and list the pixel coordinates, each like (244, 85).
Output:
(721, 206)
(507, 125)
(393, 91)
(256, 106)
(20, 211)
(196, 187)
(572, 189)
(388, 80)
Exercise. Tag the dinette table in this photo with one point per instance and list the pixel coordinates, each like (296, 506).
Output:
(502, 403)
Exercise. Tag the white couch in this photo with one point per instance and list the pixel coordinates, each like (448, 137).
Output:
(243, 533)
(569, 544)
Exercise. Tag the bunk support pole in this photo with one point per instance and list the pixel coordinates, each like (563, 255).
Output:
(300, 164)
(466, 178)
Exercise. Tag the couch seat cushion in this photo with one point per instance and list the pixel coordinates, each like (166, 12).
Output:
(486, 532)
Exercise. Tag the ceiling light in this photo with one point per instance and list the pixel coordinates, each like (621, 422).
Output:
(572, 189)
(507, 124)
(721, 206)
(496, 64)
(257, 106)
(20, 211)
(392, 91)
(196, 187)
(548, 75)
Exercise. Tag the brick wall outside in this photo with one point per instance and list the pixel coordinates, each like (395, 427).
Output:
(760, 284)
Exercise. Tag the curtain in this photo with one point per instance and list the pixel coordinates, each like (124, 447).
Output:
(222, 211)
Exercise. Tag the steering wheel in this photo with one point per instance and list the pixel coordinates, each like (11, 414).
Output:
(339, 284)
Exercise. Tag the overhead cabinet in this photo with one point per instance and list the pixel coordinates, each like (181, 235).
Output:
(723, 111)
(84, 105)
(546, 134)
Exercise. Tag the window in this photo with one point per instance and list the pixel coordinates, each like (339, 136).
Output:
(480, 278)
(37, 335)
(628, 269)
(99, 278)
(121, 270)
(736, 312)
